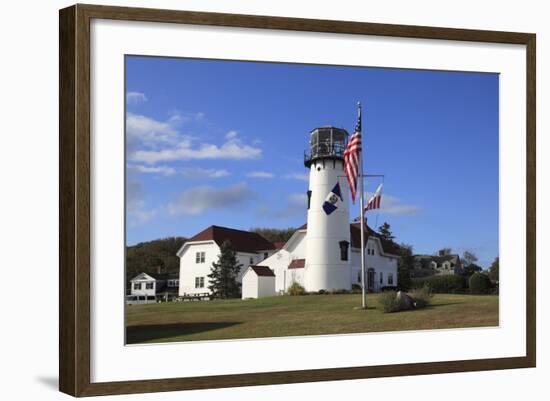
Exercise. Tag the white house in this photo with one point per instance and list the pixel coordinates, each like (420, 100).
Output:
(440, 264)
(198, 253)
(381, 258)
(151, 286)
(258, 282)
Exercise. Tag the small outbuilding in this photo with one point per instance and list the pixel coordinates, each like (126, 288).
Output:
(258, 282)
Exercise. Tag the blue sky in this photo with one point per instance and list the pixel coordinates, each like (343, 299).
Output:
(222, 142)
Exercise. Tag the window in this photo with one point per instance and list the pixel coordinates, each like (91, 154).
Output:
(149, 286)
(381, 278)
(251, 261)
(173, 283)
(266, 255)
(199, 257)
(308, 199)
(344, 250)
(137, 286)
(199, 282)
(359, 276)
(390, 279)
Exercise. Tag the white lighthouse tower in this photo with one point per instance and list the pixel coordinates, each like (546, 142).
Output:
(327, 265)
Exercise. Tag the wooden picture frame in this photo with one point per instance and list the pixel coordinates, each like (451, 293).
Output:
(75, 207)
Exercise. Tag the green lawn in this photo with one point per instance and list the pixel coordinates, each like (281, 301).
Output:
(299, 315)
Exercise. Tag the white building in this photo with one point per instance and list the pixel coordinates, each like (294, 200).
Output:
(289, 263)
(258, 282)
(198, 253)
(153, 286)
(324, 254)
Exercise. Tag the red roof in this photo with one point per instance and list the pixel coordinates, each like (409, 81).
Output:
(297, 264)
(263, 271)
(243, 241)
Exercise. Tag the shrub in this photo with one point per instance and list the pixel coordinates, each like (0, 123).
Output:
(355, 288)
(321, 292)
(422, 296)
(388, 288)
(340, 291)
(388, 301)
(449, 283)
(296, 289)
(480, 283)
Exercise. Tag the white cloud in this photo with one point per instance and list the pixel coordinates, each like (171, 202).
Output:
(231, 135)
(135, 204)
(135, 97)
(163, 170)
(296, 205)
(197, 200)
(185, 151)
(394, 205)
(201, 173)
(151, 141)
(141, 130)
(181, 117)
(297, 176)
(260, 174)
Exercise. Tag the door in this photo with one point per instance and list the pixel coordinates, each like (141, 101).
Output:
(370, 279)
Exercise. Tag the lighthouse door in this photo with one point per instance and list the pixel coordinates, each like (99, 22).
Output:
(370, 279)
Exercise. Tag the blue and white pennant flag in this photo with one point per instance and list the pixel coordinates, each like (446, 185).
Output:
(333, 199)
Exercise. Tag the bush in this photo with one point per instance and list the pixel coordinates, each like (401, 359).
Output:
(388, 288)
(340, 291)
(296, 289)
(422, 296)
(388, 301)
(447, 284)
(356, 288)
(480, 283)
(321, 292)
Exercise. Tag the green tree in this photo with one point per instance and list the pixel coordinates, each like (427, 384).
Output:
(469, 257)
(404, 266)
(493, 270)
(223, 277)
(479, 283)
(385, 231)
(274, 234)
(471, 269)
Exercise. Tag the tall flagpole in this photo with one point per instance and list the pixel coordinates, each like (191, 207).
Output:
(362, 213)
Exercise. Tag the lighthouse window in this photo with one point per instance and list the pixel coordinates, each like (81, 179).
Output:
(344, 250)
(308, 199)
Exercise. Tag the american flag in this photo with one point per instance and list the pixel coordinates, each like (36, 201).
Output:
(351, 158)
(375, 199)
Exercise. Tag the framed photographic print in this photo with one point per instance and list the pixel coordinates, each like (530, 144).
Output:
(250, 200)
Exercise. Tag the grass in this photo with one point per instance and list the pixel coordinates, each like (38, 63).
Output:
(299, 315)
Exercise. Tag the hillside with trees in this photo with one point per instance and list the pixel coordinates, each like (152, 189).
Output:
(147, 256)
(274, 234)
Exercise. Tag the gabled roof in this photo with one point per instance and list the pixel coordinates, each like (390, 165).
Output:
(243, 241)
(157, 276)
(297, 264)
(355, 235)
(263, 271)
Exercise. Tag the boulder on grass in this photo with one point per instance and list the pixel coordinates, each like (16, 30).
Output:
(404, 301)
